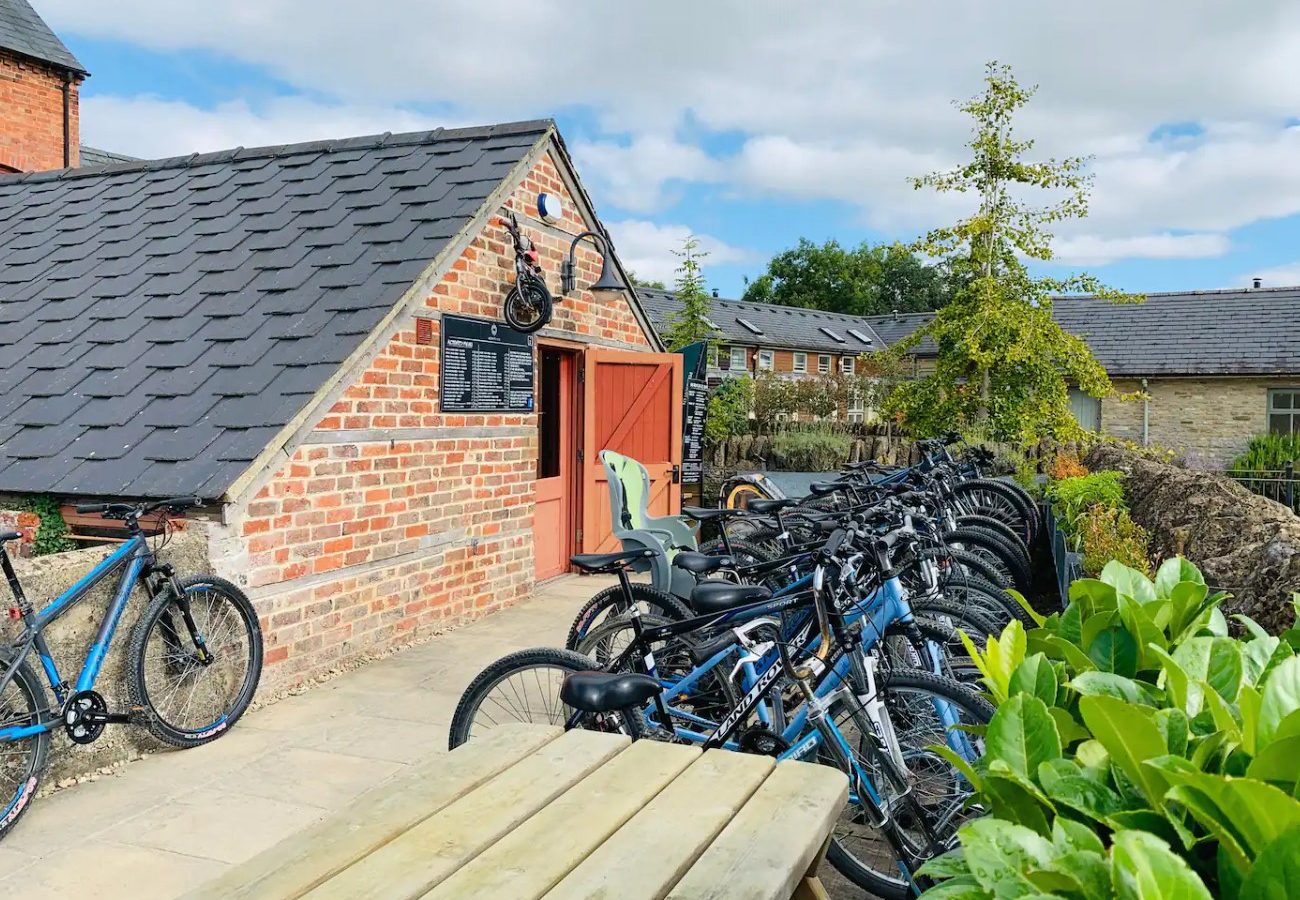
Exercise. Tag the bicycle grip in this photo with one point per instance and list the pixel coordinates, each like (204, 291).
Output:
(92, 507)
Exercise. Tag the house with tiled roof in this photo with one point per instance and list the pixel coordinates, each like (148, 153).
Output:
(1215, 367)
(309, 338)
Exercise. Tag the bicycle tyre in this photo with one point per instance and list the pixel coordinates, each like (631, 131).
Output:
(159, 725)
(1000, 528)
(743, 552)
(655, 603)
(983, 541)
(988, 597)
(530, 313)
(480, 688)
(967, 618)
(1008, 499)
(973, 565)
(979, 710)
(28, 776)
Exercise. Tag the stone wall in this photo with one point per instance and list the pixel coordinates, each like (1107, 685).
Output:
(1242, 542)
(43, 579)
(1208, 421)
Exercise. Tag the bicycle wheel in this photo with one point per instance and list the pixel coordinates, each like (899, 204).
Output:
(22, 761)
(991, 600)
(195, 660)
(923, 710)
(524, 687)
(1001, 557)
(996, 499)
(609, 602)
(1002, 529)
(528, 309)
(934, 647)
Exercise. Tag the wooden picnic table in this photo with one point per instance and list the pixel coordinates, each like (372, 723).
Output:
(529, 811)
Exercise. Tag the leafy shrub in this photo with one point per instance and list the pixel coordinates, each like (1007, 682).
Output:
(1072, 497)
(729, 409)
(1106, 533)
(1137, 751)
(810, 451)
(1269, 452)
(1066, 465)
(52, 533)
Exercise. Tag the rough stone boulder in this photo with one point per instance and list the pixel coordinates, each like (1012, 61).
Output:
(1242, 542)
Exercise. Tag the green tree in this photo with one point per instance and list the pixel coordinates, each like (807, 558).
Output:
(690, 323)
(864, 281)
(638, 281)
(1004, 365)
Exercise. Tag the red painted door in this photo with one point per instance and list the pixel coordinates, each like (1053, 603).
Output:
(554, 516)
(633, 405)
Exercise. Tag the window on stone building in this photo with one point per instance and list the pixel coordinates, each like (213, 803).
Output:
(1284, 410)
(1086, 410)
(824, 364)
(738, 360)
(800, 363)
(846, 364)
(765, 359)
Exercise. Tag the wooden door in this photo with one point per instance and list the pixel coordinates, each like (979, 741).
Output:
(554, 491)
(632, 404)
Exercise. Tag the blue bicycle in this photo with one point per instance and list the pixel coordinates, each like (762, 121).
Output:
(193, 663)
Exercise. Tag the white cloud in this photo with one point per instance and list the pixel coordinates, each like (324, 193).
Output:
(648, 249)
(152, 128)
(1091, 250)
(839, 100)
(1277, 276)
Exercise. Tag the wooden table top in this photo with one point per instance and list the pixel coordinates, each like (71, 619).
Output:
(530, 812)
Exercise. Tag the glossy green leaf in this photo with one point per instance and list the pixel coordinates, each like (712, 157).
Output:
(1069, 730)
(1092, 754)
(1128, 582)
(1070, 625)
(1183, 690)
(1278, 763)
(1172, 572)
(1115, 650)
(1257, 653)
(1276, 873)
(1001, 854)
(1036, 677)
(1129, 736)
(1143, 867)
(1067, 784)
(1106, 684)
(1090, 596)
(1245, 815)
(1089, 871)
(1022, 734)
(1173, 724)
(1073, 656)
(1033, 614)
(1248, 703)
(1013, 798)
(1280, 698)
(947, 865)
(963, 888)
(1141, 628)
(1068, 835)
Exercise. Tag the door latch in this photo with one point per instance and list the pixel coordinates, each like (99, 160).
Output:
(677, 474)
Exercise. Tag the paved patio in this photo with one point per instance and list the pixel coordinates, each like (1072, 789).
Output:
(175, 819)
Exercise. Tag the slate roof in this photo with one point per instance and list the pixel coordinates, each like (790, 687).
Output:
(25, 32)
(1233, 332)
(93, 156)
(789, 327)
(162, 321)
(894, 328)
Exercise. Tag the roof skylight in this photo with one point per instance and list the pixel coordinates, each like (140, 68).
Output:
(749, 325)
(860, 336)
(832, 335)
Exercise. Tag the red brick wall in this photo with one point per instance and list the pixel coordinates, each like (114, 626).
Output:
(31, 116)
(364, 539)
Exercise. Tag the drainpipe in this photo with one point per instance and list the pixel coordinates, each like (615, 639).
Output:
(67, 120)
(1146, 417)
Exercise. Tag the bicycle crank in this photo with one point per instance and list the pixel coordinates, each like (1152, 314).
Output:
(86, 714)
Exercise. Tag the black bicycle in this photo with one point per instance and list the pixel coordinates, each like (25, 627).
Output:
(192, 668)
(528, 305)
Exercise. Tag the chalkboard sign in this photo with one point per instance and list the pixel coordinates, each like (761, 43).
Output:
(695, 410)
(486, 367)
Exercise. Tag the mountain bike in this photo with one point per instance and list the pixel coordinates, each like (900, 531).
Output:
(528, 304)
(193, 662)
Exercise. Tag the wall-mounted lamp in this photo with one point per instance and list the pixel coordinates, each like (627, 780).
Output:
(607, 281)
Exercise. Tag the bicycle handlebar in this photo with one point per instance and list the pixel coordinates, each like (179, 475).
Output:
(135, 510)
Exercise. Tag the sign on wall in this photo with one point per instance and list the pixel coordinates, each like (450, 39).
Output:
(695, 408)
(486, 367)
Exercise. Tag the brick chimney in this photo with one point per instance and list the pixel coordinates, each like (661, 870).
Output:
(39, 81)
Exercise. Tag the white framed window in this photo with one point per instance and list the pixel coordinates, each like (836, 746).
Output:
(765, 360)
(800, 363)
(739, 359)
(824, 364)
(847, 365)
(1284, 410)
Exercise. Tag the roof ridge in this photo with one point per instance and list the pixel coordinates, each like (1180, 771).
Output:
(1242, 291)
(271, 151)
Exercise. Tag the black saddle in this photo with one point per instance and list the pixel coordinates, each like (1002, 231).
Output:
(702, 563)
(597, 563)
(602, 692)
(763, 507)
(705, 514)
(720, 596)
(822, 488)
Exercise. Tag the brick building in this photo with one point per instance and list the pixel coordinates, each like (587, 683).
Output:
(261, 328)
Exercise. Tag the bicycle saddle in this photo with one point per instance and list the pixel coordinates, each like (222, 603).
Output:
(720, 596)
(704, 514)
(763, 507)
(822, 488)
(602, 692)
(609, 562)
(701, 563)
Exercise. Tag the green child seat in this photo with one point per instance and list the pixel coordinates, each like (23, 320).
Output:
(629, 498)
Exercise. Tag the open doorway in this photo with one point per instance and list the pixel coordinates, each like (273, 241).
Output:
(554, 519)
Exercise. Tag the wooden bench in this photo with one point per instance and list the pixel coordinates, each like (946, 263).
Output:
(530, 812)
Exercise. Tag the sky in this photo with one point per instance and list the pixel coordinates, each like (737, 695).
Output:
(753, 124)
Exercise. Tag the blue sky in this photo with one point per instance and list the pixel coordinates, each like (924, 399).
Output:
(752, 126)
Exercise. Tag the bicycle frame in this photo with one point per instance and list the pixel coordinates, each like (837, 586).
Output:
(133, 560)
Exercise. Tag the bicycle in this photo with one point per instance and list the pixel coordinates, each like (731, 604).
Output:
(196, 636)
(528, 305)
